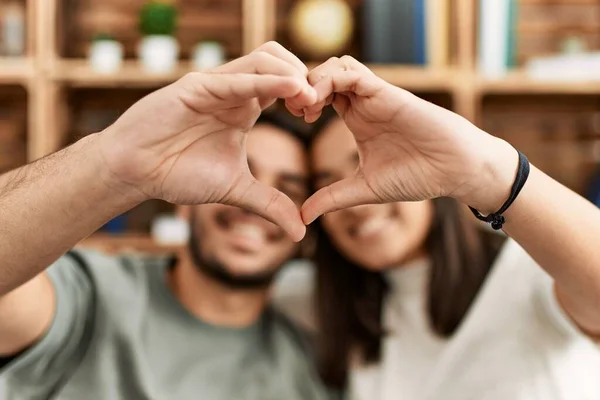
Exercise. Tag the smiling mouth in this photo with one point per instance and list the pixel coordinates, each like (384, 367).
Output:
(370, 229)
(247, 233)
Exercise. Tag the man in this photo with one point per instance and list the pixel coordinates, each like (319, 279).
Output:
(198, 326)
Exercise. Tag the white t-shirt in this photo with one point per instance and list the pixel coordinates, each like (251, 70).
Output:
(515, 343)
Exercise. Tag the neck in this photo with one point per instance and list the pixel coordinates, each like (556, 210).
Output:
(211, 301)
(419, 254)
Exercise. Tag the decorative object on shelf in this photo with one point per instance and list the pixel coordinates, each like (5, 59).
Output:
(169, 229)
(13, 28)
(159, 49)
(575, 67)
(208, 54)
(106, 54)
(321, 28)
(573, 45)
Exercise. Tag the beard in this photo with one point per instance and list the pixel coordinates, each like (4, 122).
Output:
(219, 272)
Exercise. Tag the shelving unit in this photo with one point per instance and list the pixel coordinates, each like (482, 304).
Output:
(16, 70)
(518, 83)
(77, 73)
(54, 68)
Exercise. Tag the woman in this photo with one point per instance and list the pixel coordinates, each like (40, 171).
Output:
(416, 302)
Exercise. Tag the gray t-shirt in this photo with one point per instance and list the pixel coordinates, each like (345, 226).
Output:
(145, 345)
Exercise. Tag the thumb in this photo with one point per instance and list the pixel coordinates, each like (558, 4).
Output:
(269, 203)
(339, 195)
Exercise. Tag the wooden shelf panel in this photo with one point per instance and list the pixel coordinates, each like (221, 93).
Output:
(15, 70)
(77, 72)
(417, 78)
(413, 77)
(519, 83)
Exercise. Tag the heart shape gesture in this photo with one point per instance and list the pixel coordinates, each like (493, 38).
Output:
(186, 142)
(409, 149)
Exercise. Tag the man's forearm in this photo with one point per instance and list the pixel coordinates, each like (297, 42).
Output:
(560, 230)
(50, 205)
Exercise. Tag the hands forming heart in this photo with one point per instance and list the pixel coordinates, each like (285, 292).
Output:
(192, 149)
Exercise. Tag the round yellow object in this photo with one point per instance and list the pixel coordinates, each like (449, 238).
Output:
(321, 28)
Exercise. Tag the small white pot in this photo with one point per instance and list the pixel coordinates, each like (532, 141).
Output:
(208, 55)
(159, 53)
(106, 56)
(169, 229)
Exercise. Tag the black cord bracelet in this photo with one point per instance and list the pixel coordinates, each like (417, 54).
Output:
(497, 219)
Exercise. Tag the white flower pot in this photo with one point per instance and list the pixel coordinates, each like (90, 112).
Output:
(106, 56)
(170, 230)
(208, 55)
(159, 53)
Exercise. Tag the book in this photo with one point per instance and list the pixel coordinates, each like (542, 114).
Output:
(513, 15)
(394, 31)
(493, 37)
(420, 26)
(437, 34)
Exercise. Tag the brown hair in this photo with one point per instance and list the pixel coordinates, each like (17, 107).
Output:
(349, 299)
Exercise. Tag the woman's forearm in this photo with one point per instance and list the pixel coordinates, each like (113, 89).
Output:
(561, 231)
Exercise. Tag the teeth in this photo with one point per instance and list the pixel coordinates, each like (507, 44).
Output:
(250, 231)
(371, 227)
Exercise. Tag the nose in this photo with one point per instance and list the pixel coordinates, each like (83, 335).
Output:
(360, 212)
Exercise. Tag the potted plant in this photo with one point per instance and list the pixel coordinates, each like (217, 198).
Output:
(159, 49)
(106, 54)
(208, 54)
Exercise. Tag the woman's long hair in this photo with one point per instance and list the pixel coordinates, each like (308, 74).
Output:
(349, 299)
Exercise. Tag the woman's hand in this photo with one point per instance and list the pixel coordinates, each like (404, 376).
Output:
(409, 149)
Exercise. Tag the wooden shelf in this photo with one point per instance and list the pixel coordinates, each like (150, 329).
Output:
(414, 77)
(417, 78)
(15, 70)
(127, 242)
(519, 83)
(77, 72)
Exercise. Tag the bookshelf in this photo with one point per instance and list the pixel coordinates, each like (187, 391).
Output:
(56, 81)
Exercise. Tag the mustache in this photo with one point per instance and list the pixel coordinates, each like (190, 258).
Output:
(219, 272)
(226, 216)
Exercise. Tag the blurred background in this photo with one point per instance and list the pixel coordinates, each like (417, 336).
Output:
(525, 70)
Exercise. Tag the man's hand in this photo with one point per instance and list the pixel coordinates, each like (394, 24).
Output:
(185, 143)
(409, 148)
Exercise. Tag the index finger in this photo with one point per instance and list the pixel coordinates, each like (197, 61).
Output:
(277, 50)
(231, 90)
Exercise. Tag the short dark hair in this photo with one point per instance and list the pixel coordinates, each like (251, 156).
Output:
(286, 122)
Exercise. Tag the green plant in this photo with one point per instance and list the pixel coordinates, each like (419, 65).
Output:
(103, 36)
(158, 18)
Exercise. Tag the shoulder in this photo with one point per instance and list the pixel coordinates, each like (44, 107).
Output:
(116, 279)
(293, 294)
(121, 269)
(288, 329)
